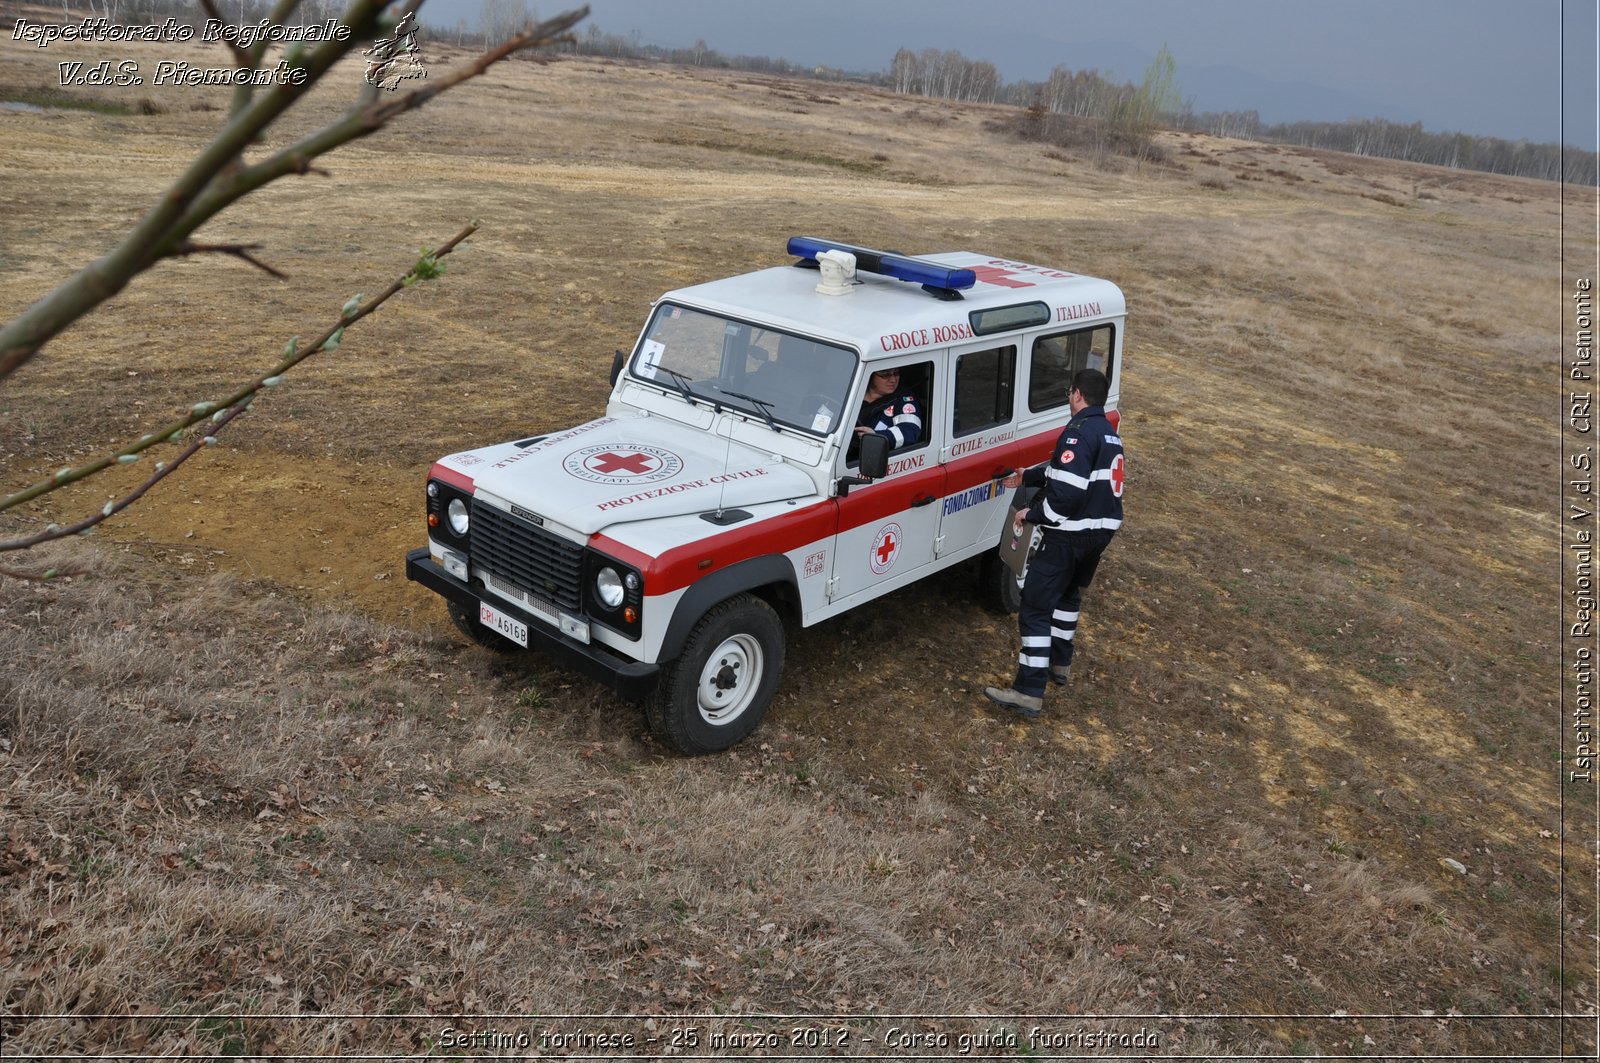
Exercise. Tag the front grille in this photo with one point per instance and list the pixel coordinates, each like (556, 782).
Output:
(526, 556)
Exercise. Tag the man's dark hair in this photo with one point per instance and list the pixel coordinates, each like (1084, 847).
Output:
(1092, 385)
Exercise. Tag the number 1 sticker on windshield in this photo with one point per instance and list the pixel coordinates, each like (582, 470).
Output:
(653, 350)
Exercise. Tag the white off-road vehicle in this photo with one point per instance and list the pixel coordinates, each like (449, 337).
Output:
(662, 547)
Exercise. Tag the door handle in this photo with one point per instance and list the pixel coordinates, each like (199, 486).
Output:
(923, 501)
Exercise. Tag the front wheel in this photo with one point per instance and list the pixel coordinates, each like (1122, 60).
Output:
(718, 689)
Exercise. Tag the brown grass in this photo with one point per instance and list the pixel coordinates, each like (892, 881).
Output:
(249, 772)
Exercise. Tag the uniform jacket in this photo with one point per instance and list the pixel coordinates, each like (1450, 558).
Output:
(1082, 480)
(898, 418)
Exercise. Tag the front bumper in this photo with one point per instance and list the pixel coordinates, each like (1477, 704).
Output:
(631, 679)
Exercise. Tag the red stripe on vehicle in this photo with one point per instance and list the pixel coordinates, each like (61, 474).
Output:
(1036, 449)
(626, 554)
(974, 469)
(684, 565)
(443, 474)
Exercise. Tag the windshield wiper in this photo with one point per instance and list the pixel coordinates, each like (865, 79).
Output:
(682, 383)
(762, 406)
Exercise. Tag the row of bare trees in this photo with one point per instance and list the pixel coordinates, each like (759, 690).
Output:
(952, 76)
(1123, 114)
(945, 74)
(1074, 108)
(1410, 142)
(1080, 93)
(598, 42)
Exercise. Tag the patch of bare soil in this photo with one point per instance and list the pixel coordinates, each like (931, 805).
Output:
(1315, 666)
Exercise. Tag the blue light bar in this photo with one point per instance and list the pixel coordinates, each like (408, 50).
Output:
(930, 275)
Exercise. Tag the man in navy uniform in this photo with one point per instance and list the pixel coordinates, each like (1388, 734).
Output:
(1079, 510)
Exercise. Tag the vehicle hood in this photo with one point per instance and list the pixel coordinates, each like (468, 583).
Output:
(617, 470)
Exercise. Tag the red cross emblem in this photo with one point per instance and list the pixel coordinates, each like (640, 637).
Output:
(885, 548)
(998, 276)
(622, 463)
(1117, 474)
(611, 462)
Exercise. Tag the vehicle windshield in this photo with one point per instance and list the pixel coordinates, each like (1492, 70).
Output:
(776, 376)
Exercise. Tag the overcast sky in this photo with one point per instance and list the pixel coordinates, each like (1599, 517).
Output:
(1490, 67)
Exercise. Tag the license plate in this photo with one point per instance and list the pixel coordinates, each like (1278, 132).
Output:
(494, 619)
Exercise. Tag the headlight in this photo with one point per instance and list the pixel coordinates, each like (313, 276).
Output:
(608, 587)
(457, 511)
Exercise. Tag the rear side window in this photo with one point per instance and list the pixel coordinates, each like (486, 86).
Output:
(984, 382)
(1059, 355)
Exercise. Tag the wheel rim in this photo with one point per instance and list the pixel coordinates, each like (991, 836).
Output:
(729, 680)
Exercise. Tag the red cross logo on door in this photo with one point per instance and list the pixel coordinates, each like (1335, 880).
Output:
(610, 462)
(1117, 474)
(885, 548)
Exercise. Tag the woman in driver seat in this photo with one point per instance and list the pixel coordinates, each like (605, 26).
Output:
(885, 409)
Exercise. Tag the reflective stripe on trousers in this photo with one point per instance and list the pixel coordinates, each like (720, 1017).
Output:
(1051, 600)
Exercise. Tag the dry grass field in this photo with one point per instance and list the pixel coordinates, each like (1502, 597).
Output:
(260, 799)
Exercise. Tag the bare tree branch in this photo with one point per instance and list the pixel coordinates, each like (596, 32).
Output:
(170, 220)
(215, 180)
(40, 577)
(237, 250)
(218, 413)
(163, 469)
(240, 56)
(375, 116)
(250, 58)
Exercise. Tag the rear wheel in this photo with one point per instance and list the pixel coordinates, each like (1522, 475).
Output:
(1000, 587)
(719, 687)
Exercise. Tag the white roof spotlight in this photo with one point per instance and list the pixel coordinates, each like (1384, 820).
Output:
(838, 272)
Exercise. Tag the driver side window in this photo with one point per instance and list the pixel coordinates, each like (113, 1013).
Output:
(895, 406)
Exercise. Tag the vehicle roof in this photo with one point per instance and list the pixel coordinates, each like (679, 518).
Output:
(883, 317)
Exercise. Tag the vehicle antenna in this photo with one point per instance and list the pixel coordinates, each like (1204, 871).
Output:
(727, 456)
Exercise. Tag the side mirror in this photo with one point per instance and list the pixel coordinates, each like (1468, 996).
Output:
(873, 463)
(874, 456)
(617, 363)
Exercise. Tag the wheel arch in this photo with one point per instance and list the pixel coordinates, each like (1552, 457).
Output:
(770, 578)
